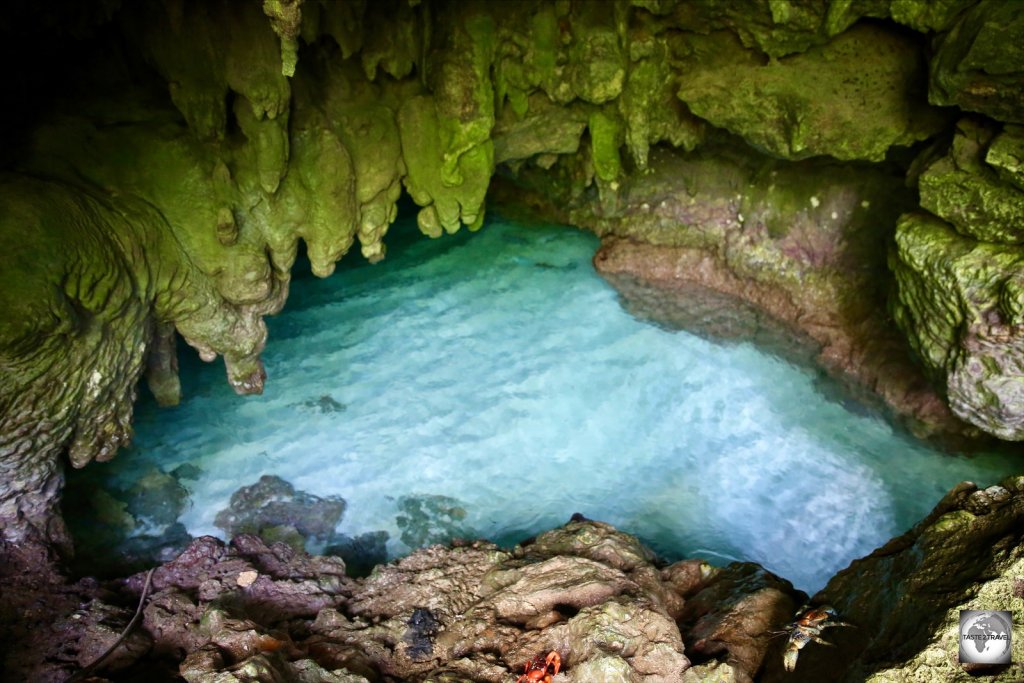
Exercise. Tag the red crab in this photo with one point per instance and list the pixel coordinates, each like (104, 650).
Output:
(541, 670)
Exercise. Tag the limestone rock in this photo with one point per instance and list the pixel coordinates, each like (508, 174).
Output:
(469, 613)
(776, 28)
(732, 615)
(976, 195)
(928, 15)
(959, 303)
(979, 64)
(1006, 155)
(731, 244)
(853, 98)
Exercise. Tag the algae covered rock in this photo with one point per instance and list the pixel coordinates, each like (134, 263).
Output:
(975, 186)
(853, 98)
(774, 27)
(928, 15)
(960, 304)
(72, 336)
(979, 63)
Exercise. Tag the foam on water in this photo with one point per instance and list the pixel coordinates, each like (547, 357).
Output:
(500, 371)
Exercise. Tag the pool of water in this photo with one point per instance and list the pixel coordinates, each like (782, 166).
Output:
(491, 385)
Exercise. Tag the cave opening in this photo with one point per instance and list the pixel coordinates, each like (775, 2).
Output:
(795, 222)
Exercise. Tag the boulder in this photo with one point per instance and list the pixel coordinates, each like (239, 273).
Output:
(979, 64)
(960, 303)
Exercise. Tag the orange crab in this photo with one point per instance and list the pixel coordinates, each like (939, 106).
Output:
(807, 628)
(541, 670)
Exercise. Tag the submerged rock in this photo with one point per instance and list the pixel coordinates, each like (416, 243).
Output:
(273, 507)
(431, 518)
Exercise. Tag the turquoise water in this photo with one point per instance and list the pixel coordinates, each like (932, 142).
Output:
(491, 385)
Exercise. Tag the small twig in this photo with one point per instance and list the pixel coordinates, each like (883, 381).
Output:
(120, 639)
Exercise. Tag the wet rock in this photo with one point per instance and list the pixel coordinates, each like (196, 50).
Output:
(142, 522)
(187, 471)
(273, 502)
(157, 498)
(418, 639)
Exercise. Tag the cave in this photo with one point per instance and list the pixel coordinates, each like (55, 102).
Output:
(673, 338)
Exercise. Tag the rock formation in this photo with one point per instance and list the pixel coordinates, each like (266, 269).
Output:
(851, 172)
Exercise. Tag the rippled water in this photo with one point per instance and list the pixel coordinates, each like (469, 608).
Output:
(491, 385)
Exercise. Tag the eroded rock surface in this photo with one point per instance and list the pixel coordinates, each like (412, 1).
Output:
(250, 611)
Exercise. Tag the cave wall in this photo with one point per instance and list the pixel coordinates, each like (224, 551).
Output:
(165, 157)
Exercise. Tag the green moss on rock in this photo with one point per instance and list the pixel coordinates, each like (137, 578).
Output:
(445, 207)
(605, 140)
(969, 193)
(773, 27)
(648, 105)
(928, 15)
(1006, 155)
(959, 303)
(979, 63)
(597, 62)
(231, 48)
(852, 99)
(544, 128)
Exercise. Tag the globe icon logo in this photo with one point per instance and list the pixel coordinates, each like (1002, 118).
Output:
(985, 636)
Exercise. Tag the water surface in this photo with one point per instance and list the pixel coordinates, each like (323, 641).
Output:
(491, 385)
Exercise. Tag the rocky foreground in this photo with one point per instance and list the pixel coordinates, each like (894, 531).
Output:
(473, 612)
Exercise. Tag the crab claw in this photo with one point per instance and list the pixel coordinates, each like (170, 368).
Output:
(553, 660)
(789, 659)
